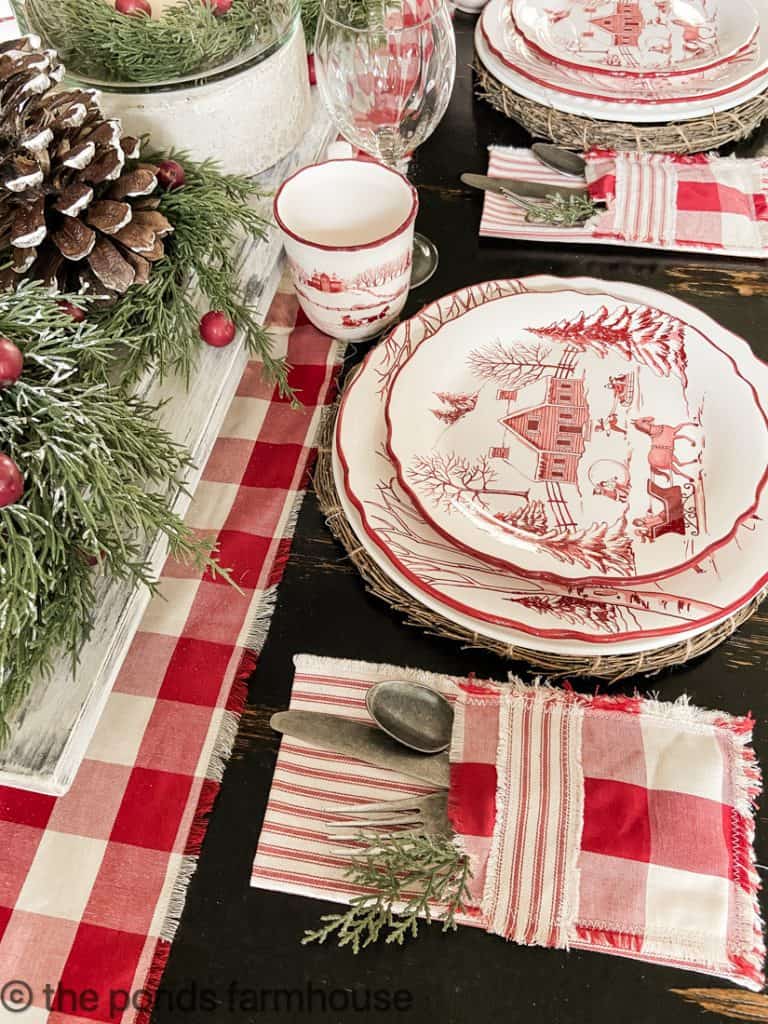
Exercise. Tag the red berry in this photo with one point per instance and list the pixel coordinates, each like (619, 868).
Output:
(11, 362)
(216, 329)
(219, 7)
(77, 314)
(311, 69)
(170, 175)
(134, 7)
(11, 481)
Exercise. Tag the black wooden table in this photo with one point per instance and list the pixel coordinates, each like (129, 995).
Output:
(233, 935)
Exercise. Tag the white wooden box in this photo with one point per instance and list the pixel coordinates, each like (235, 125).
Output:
(51, 729)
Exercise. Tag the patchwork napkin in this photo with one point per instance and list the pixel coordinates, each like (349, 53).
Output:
(682, 203)
(610, 823)
(616, 824)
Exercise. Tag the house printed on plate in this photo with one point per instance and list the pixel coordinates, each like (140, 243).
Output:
(625, 25)
(554, 426)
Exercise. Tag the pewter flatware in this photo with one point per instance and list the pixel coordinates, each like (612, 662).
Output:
(561, 160)
(364, 742)
(522, 189)
(425, 814)
(415, 715)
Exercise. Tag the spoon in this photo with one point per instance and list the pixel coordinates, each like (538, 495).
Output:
(414, 715)
(559, 159)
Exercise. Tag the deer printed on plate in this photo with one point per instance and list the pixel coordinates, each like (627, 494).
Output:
(577, 438)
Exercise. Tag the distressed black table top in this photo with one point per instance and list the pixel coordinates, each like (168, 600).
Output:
(233, 934)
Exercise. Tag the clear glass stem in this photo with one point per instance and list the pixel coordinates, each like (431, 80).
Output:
(425, 260)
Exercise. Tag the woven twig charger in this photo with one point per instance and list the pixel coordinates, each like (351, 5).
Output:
(576, 132)
(610, 667)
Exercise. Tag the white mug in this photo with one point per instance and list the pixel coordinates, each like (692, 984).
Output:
(348, 232)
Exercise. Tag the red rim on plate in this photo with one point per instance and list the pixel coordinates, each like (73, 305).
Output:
(554, 577)
(448, 602)
(698, 97)
(618, 72)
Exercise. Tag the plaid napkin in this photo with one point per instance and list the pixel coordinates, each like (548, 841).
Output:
(610, 823)
(681, 203)
(92, 885)
(616, 824)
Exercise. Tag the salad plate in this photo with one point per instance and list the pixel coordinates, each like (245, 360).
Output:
(618, 617)
(538, 89)
(637, 38)
(577, 437)
(511, 48)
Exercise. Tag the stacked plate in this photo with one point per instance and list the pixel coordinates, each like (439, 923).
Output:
(573, 466)
(642, 61)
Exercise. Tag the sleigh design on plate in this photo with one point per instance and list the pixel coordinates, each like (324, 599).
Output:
(580, 448)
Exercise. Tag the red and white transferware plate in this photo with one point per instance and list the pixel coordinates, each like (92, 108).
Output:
(618, 616)
(637, 37)
(578, 437)
(590, 104)
(510, 47)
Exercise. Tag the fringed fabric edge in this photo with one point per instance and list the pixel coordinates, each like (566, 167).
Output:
(227, 733)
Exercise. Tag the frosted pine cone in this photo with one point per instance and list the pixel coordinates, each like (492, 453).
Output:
(73, 212)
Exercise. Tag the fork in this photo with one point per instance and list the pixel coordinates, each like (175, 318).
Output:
(423, 814)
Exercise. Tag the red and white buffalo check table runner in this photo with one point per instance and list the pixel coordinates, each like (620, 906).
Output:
(681, 203)
(616, 824)
(92, 885)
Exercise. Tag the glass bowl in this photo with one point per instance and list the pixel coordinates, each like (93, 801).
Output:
(272, 27)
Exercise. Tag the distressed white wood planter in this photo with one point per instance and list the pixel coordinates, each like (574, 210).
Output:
(51, 729)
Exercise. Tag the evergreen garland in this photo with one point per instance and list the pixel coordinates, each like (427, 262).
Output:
(99, 479)
(158, 323)
(100, 475)
(98, 42)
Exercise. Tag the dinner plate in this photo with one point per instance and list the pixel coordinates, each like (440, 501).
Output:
(553, 617)
(530, 638)
(578, 437)
(637, 39)
(602, 110)
(512, 49)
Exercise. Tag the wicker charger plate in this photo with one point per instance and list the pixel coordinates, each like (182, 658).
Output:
(610, 667)
(582, 133)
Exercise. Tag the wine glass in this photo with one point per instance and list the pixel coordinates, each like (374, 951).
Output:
(385, 69)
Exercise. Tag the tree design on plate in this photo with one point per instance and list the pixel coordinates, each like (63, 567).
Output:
(579, 611)
(452, 481)
(398, 346)
(448, 571)
(641, 335)
(455, 407)
(513, 366)
(531, 517)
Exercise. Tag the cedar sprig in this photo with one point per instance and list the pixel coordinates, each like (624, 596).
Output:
(55, 343)
(562, 211)
(424, 876)
(100, 477)
(96, 41)
(158, 321)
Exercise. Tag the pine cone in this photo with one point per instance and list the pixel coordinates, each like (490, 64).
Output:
(72, 212)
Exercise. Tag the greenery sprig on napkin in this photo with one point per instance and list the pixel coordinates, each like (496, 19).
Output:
(410, 875)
